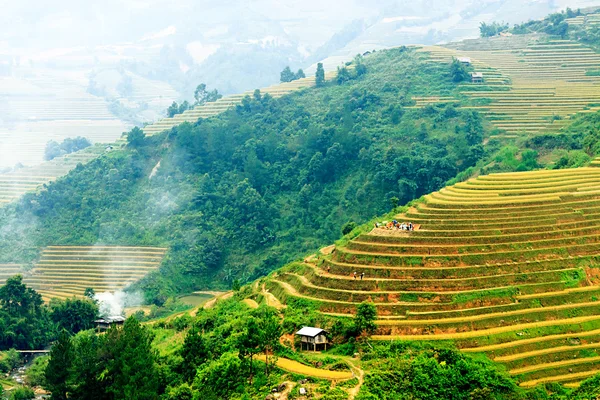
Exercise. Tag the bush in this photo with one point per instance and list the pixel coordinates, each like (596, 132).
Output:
(22, 393)
(348, 227)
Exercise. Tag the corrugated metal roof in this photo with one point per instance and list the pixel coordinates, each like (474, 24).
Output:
(308, 331)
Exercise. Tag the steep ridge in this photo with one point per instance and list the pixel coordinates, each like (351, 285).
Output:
(532, 84)
(503, 264)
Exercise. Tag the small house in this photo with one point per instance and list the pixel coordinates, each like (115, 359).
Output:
(464, 60)
(105, 323)
(477, 77)
(313, 338)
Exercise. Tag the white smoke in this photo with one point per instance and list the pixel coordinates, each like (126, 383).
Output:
(112, 304)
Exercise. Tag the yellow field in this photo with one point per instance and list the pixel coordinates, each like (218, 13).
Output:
(301, 369)
(66, 271)
(546, 79)
(503, 264)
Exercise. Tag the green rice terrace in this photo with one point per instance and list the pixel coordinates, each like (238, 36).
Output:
(66, 271)
(531, 84)
(503, 264)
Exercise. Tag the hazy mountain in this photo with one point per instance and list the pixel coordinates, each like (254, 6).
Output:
(95, 69)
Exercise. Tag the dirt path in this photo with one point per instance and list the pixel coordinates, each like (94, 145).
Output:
(360, 375)
(250, 303)
(327, 250)
(270, 299)
(288, 388)
(301, 369)
(211, 303)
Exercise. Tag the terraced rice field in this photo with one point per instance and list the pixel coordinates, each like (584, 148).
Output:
(30, 179)
(225, 103)
(503, 264)
(8, 270)
(532, 84)
(15, 184)
(66, 271)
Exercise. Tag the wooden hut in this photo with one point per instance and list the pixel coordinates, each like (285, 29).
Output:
(103, 324)
(313, 338)
(477, 77)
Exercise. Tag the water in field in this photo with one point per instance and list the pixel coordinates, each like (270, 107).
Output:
(197, 299)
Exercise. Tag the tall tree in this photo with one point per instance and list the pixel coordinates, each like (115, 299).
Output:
(57, 371)
(458, 72)
(194, 353)
(270, 329)
(135, 138)
(24, 321)
(287, 75)
(132, 366)
(364, 321)
(320, 75)
(203, 96)
(88, 369)
(250, 343)
(74, 315)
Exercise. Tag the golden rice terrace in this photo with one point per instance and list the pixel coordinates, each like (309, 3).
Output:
(531, 84)
(504, 264)
(66, 271)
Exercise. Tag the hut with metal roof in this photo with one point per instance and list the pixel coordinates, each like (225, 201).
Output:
(313, 338)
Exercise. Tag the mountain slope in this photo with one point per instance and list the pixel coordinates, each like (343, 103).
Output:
(502, 264)
(236, 195)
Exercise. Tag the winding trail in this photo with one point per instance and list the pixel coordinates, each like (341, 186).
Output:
(301, 369)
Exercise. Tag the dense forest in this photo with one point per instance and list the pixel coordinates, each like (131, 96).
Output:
(237, 195)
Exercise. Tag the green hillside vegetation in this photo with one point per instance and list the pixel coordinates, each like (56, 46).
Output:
(239, 194)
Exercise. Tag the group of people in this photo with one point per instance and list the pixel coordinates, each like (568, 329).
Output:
(354, 275)
(396, 225)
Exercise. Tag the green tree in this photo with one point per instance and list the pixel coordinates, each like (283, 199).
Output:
(24, 320)
(203, 96)
(300, 74)
(348, 227)
(74, 315)
(90, 293)
(458, 72)
(364, 320)
(250, 343)
(135, 137)
(194, 353)
(57, 371)
(89, 366)
(287, 75)
(181, 392)
(320, 75)
(269, 325)
(492, 29)
(343, 75)
(22, 393)
(173, 110)
(132, 366)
